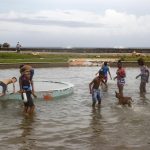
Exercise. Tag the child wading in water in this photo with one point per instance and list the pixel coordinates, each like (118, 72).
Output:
(120, 77)
(26, 91)
(25, 69)
(144, 75)
(4, 83)
(106, 70)
(94, 88)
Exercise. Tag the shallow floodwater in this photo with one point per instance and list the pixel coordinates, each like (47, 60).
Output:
(70, 123)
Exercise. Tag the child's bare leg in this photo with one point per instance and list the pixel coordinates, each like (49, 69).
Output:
(25, 109)
(28, 110)
(99, 102)
(120, 87)
(142, 87)
(32, 109)
(93, 104)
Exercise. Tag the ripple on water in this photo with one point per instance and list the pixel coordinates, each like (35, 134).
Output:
(71, 123)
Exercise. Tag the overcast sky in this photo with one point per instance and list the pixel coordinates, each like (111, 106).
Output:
(75, 23)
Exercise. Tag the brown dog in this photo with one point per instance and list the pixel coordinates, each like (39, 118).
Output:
(124, 100)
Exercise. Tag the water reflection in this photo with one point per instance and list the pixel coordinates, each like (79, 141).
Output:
(97, 139)
(96, 120)
(71, 123)
(27, 127)
(4, 104)
(143, 98)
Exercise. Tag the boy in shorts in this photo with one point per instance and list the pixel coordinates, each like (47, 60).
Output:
(4, 83)
(26, 88)
(106, 71)
(94, 88)
(27, 69)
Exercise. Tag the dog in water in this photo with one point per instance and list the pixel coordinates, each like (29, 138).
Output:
(124, 100)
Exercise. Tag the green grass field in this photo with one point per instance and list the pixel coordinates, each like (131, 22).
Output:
(6, 57)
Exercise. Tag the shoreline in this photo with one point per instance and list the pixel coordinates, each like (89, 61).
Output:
(68, 64)
(81, 49)
(35, 65)
(99, 62)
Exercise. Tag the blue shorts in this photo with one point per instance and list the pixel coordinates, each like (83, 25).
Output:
(96, 95)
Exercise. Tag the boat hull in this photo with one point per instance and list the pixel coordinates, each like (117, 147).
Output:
(46, 95)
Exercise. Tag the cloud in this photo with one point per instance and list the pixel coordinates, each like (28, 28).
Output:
(111, 27)
(58, 18)
(79, 19)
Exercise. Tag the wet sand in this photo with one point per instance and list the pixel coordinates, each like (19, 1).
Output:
(35, 65)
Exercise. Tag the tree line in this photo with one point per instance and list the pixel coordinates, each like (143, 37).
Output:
(5, 45)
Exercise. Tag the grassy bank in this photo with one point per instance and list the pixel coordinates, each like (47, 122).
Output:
(6, 57)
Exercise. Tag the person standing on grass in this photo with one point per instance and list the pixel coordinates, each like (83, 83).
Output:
(18, 47)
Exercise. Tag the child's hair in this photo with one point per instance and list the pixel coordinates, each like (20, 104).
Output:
(105, 63)
(14, 78)
(119, 63)
(101, 72)
(21, 66)
(140, 61)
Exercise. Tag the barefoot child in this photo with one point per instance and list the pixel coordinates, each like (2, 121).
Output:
(26, 88)
(106, 70)
(94, 88)
(4, 83)
(25, 69)
(120, 77)
(144, 75)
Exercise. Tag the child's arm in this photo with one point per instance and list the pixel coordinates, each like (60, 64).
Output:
(104, 82)
(97, 73)
(90, 87)
(148, 75)
(13, 87)
(115, 77)
(109, 74)
(32, 84)
(20, 86)
(138, 76)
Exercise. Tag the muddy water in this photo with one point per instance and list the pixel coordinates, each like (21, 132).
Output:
(70, 123)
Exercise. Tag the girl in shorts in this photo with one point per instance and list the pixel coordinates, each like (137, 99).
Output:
(120, 76)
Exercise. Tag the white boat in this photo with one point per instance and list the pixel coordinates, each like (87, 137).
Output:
(65, 90)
